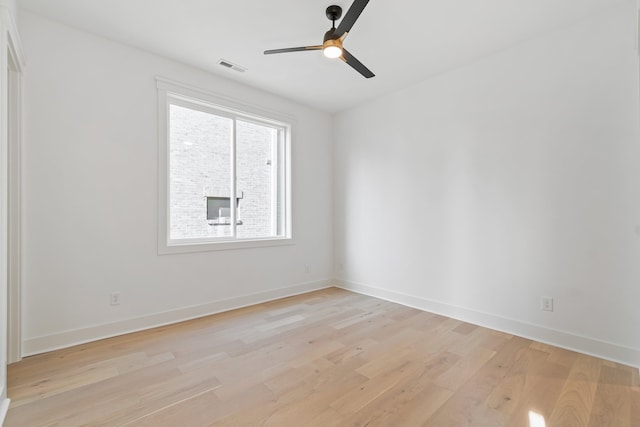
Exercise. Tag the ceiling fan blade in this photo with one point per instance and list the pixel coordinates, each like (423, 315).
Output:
(357, 65)
(292, 49)
(350, 18)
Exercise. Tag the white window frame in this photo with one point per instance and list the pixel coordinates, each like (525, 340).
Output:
(169, 91)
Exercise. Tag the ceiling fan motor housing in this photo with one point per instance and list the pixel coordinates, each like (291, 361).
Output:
(330, 35)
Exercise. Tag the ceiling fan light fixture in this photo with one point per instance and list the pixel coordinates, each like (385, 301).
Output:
(332, 49)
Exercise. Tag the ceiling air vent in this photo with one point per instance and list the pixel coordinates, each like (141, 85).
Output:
(231, 65)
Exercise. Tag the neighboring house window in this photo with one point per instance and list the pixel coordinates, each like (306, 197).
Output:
(224, 173)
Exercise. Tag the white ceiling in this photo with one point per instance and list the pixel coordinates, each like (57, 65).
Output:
(401, 41)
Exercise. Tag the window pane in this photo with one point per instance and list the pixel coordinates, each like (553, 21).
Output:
(199, 173)
(258, 170)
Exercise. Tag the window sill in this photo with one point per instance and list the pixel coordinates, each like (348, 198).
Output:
(192, 247)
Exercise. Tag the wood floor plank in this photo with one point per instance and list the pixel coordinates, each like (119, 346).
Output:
(543, 383)
(467, 407)
(612, 401)
(326, 358)
(353, 400)
(516, 384)
(576, 399)
(404, 404)
(634, 419)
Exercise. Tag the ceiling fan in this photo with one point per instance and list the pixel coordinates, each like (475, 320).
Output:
(332, 45)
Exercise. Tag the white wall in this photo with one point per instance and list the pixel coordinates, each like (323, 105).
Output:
(91, 196)
(10, 5)
(478, 191)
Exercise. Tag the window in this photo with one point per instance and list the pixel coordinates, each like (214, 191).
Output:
(213, 151)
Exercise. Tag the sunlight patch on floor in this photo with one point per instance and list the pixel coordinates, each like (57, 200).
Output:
(536, 420)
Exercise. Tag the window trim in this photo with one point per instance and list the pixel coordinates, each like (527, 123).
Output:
(208, 101)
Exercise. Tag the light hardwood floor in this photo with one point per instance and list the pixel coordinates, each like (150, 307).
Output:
(327, 358)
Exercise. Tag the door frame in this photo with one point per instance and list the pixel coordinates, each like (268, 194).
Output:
(14, 122)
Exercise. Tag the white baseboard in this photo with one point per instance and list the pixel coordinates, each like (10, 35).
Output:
(4, 408)
(598, 348)
(93, 333)
(569, 341)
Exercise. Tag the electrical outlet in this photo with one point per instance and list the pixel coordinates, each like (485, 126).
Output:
(115, 298)
(306, 269)
(546, 304)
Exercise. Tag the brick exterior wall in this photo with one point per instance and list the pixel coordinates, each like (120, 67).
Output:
(200, 167)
